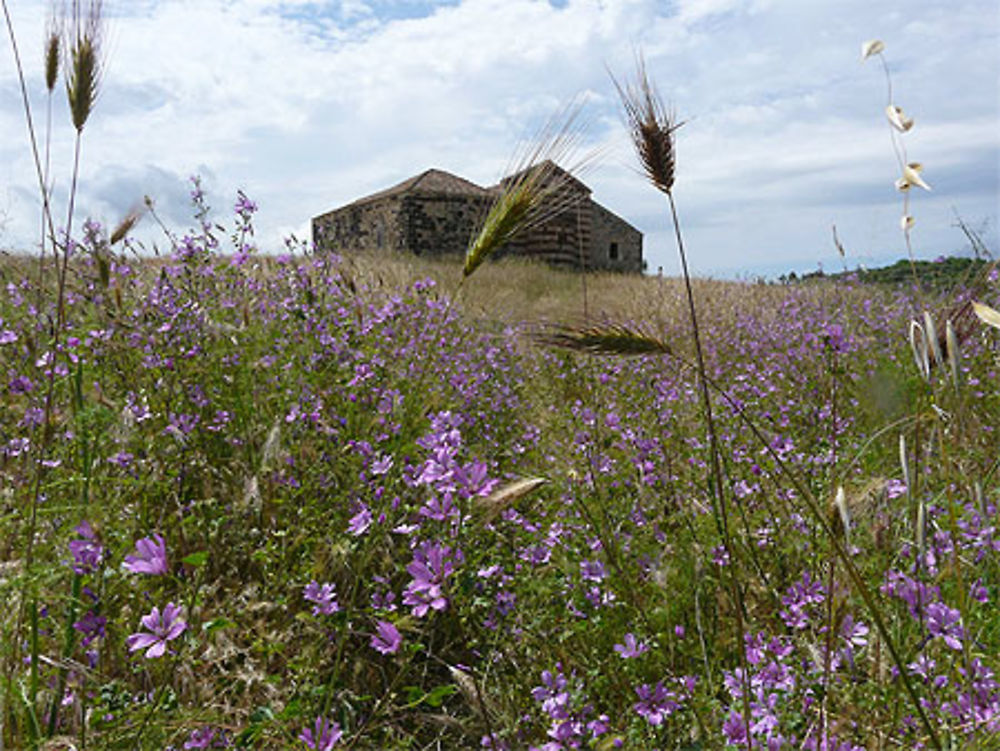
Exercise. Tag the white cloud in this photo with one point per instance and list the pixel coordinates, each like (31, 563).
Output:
(308, 105)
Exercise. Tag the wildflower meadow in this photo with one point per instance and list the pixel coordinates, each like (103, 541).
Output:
(269, 498)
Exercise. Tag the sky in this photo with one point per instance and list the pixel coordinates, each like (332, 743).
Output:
(307, 105)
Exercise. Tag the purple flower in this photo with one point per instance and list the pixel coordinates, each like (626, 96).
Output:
(631, 647)
(720, 556)
(386, 638)
(91, 626)
(323, 736)
(894, 489)
(553, 694)
(656, 703)
(207, 737)
(151, 557)
(592, 571)
(382, 465)
(244, 206)
(943, 621)
(735, 730)
(361, 521)
(324, 595)
(87, 551)
(430, 567)
(159, 630)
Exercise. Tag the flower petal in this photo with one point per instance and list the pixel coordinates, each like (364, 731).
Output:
(139, 641)
(151, 620)
(176, 629)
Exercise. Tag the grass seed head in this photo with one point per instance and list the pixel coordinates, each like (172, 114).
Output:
(603, 339)
(537, 190)
(84, 64)
(53, 48)
(841, 516)
(125, 226)
(898, 119)
(953, 351)
(872, 47)
(495, 503)
(651, 127)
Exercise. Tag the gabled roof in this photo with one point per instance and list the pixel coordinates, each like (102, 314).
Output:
(431, 182)
(553, 172)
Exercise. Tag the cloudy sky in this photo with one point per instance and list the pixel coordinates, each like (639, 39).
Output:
(309, 104)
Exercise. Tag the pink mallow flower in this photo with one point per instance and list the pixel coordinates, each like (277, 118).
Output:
(631, 648)
(386, 639)
(324, 595)
(160, 628)
(323, 736)
(87, 552)
(151, 557)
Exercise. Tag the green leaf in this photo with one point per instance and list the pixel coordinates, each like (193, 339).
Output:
(196, 559)
(438, 694)
(262, 714)
(216, 624)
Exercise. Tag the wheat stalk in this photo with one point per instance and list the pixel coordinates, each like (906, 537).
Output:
(84, 65)
(537, 190)
(651, 126)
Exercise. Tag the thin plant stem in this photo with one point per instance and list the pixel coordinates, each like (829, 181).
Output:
(716, 492)
(46, 219)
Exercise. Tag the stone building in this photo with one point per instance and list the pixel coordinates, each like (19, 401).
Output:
(437, 212)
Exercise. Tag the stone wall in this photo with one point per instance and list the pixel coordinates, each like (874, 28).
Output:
(435, 225)
(372, 226)
(615, 244)
(563, 240)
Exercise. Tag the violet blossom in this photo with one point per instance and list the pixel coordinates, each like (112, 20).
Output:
(160, 628)
(150, 558)
(386, 639)
(631, 648)
(86, 550)
(324, 595)
(323, 736)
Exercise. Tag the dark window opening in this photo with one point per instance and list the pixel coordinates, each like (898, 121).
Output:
(613, 251)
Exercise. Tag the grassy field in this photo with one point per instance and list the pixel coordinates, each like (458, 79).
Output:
(316, 502)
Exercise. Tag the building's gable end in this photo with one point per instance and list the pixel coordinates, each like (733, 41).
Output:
(615, 244)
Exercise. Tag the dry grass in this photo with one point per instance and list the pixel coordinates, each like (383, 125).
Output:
(513, 291)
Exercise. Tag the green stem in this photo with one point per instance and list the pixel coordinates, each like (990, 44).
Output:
(69, 640)
(716, 492)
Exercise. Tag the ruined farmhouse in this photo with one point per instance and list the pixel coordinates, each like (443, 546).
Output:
(436, 213)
